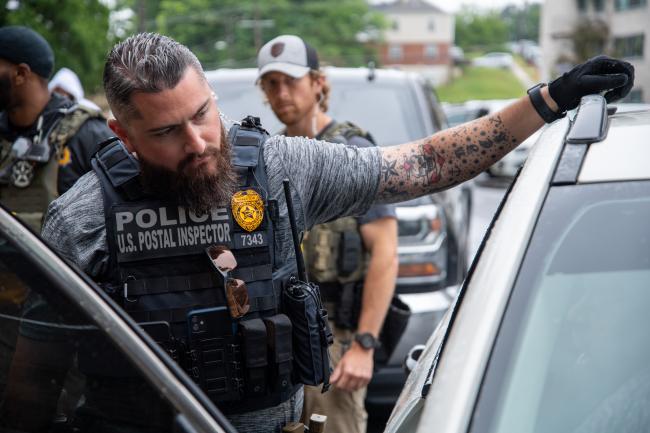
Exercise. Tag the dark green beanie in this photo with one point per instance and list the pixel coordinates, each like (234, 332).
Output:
(20, 44)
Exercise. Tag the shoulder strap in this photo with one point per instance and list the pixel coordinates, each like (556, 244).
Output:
(119, 168)
(345, 130)
(247, 139)
(73, 118)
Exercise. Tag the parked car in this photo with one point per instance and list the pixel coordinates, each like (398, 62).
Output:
(549, 332)
(53, 319)
(396, 107)
(494, 60)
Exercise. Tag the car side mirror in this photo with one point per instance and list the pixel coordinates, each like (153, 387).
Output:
(411, 359)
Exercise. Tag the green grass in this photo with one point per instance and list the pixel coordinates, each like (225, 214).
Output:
(481, 83)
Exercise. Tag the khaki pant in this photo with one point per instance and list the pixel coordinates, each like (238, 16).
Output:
(345, 410)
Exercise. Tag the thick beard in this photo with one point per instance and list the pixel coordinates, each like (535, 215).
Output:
(198, 191)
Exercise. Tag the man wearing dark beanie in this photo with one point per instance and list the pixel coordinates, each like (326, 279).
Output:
(46, 140)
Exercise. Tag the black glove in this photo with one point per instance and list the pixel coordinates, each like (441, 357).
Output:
(593, 76)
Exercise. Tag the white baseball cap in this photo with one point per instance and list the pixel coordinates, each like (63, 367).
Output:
(288, 54)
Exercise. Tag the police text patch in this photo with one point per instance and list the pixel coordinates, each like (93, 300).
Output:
(145, 232)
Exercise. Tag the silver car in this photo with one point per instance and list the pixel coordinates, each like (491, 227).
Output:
(550, 330)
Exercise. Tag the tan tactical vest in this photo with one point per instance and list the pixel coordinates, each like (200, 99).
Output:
(29, 202)
(324, 243)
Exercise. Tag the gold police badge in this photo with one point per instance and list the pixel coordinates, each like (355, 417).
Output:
(247, 209)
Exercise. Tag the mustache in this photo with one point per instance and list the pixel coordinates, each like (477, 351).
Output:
(195, 189)
(209, 151)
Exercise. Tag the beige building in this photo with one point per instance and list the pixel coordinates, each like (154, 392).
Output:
(419, 37)
(617, 27)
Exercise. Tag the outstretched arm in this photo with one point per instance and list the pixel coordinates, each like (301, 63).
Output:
(457, 154)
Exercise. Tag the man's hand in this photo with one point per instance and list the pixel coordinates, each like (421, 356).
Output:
(596, 75)
(354, 371)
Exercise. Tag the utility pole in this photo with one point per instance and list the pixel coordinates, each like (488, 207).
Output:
(257, 24)
(142, 16)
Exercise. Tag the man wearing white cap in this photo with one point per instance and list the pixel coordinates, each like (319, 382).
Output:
(357, 287)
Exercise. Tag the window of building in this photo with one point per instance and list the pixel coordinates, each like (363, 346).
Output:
(622, 5)
(395, 25)
(431, 25)
(599, 5)
(395, 52)
(629, 46)
(582, 5)
(431, 51)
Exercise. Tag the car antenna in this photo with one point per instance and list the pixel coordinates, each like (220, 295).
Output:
(371, 70)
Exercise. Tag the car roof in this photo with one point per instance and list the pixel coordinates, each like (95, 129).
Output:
(624, 153)
(250, 74)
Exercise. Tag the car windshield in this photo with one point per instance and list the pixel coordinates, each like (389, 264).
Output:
(572, 354)
(388, 111)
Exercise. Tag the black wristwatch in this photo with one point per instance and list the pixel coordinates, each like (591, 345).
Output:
(542, 108)
(367, 340)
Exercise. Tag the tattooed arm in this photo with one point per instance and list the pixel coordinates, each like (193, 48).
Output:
(457, 154)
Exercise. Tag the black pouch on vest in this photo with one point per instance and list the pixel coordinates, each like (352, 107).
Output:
(214, 356)
(350, 251)
(278, 331)
(348, 306)
(254, 343)
(311, 333)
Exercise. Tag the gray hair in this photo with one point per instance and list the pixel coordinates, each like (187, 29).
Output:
(146, 62)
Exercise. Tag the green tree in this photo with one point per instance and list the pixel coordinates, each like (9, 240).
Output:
(522, 21)
(76, 29)
(228, 34)
(589, 39)
(480, 30)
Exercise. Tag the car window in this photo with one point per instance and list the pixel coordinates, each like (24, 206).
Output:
(239, 99)
(390, 112)
(572, 354)
(58, 372)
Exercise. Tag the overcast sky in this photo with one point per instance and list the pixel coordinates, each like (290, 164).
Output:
(454, 5)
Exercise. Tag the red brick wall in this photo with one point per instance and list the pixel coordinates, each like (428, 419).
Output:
(414, 54)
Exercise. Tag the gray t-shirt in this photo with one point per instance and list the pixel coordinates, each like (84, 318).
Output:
(327, 181)
(376, 211)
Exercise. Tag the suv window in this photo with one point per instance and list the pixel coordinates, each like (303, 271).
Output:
(572, 353)
(57, 369)
(381, 100)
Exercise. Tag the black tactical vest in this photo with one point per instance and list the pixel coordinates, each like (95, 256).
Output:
(28, 183)
(160, 273)
(335, 255)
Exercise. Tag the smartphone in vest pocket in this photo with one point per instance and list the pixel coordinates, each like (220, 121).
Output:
(214, 353)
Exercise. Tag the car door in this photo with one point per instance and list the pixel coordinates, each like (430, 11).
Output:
(70, 360)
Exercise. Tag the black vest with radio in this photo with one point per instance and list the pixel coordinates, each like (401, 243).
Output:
(236, 346)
